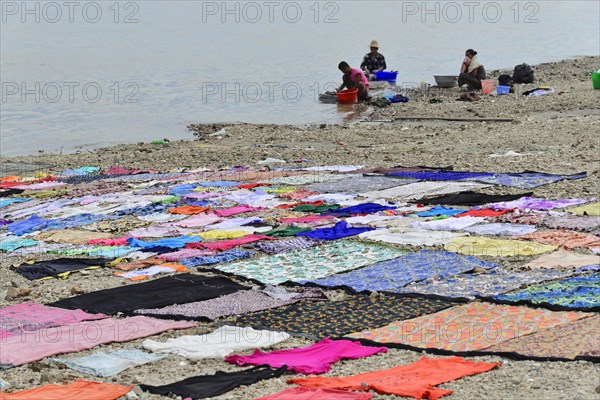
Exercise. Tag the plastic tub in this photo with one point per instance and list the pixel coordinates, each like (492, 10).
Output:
(488, 86)
(389, 76)
(596, 80)
(502, 89)
(347, 96)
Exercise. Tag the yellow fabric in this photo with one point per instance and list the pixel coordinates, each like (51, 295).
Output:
(588, 209)
(217, 234)
(44, 194)
(280, 190)
(479, 246)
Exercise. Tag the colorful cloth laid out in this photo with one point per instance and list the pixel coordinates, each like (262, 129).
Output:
(439, 210)
(416, 380)
(227, 212)
(411, 236)
(469, 327)
(563, 259)
(303, 393)
(12, 244)
(480, 246)
(310, 218)
(176, 289)
(156, 231)
(356, 184)
(580, 292)
(482, 212)
(298, 194)
(59, 268)
(28, 225)
(527, 180)
(448, 224)
(185, 253)
(531, 203)
(198, 220)
(364, 208)
(122, 241)
(13, 200)
(573, 222)
(568, 341)
(488, 284)
(223, 245)
(441, 175)
(143, 274)
(79, 389)
(224, 257)
(501, 229)
(28, 317)
(316, 208)
(219, 343)
(189, 210)
(592, 209)
(172, 243)
(313, 263)
(26, 348)
(218, 234)
(470, 198)
(237, 303)
(285, 232)
(123, 265)
(322, 319)
(206, 386)
(108, 364)
(418, 190)
(314, 359)
(283, 245)
(566, 239)
(526, 217)
(338, 231)
(412, 267)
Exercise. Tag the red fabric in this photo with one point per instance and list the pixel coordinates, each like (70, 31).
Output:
(252, 185)
(485, 212)
(302, 393)
(414, 380)
(189, 210)
(8, 185)
(314, 203)
(77, 390)
(223, 245)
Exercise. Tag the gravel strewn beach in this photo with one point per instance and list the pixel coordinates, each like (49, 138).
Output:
(558, 133)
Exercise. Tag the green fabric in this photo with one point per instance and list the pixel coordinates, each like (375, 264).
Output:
(168, 200)
(290, 231)
(316, 209)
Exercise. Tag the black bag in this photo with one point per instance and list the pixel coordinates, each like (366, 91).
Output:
(523, 74)
(505, 80)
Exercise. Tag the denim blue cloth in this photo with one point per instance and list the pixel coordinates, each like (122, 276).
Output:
(338, 231)
(28, 225)
(149, 209)
(366, 208)
(226, 256)
(13, 200)
(73, 221)
(411, 267)
(219, 184)
(173, 243)
(442, 175)
(180, 190)
(439, 210)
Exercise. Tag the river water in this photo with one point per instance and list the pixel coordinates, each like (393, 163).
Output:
(88, 74)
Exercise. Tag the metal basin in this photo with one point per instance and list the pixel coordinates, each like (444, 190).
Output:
(446, 81)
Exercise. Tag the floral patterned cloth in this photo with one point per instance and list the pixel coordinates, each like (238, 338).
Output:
(336, 318)
(578, 292)
(480, 246)
(564, 238)
(412, 267)
(469, 327)
(313, 263)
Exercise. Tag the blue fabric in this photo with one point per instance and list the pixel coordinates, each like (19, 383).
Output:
(81, 171)
(11, 245)
(219, 184)
(439, 210)
(145, 210)
(111, 251)
(366, 208)
(13, 200)
(180, 190)
(73, 221)
(200, 203)
(173, 243)
(338, 231)
(28, 225)
(226, 256)
(413, 267)
(441, 175)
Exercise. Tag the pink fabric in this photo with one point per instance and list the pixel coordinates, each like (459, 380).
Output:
(314, 359)
(198, 220)
(236, 210)
(223, 245)
(310, 218)
(204, 195)
(298, 194)
(28, 317)
(41, 186)
(185, 253)
(304, 393)
(363, 78)
(29, 347)
(122, 241)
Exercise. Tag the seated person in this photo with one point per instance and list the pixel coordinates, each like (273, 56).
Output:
(472, 71)
(373, 61)
(353, 78)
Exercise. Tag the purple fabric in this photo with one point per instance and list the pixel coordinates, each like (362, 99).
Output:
(442, 175)
(532, 203)
(6, 221)
(366, 208)
(338, 231)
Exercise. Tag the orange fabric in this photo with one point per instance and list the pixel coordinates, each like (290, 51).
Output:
(188, 210)
(415, 380)
(314, 203)
(139, 264)
(78, 390)
(564, 238)
(12, 178)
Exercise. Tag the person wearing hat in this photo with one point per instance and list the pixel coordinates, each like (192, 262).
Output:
(373, 61)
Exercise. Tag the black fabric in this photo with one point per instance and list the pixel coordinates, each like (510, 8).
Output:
(204, 386)
(59, 267)
(10, 192)
(469, 198)
(176, 289)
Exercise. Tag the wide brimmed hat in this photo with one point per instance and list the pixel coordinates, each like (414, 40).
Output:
(374, 44)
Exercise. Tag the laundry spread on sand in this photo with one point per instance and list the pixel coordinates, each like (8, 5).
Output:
(80, 389)
(480, 246)
(108, 364)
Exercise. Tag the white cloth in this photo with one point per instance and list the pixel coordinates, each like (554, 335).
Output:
(417, 190)
(162, 217)
(448, 224)
(369, 219)
(199, 220)
(501, 229)
(410, 236)
(154, 270)
(223, 341)
(475, 63)
(230, 223)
